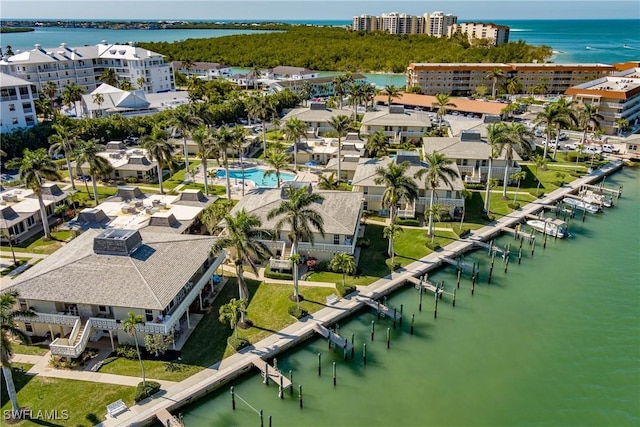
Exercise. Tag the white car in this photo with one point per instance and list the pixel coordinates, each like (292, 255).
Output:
(608, 148)
(563, 136)
(572, 146)
(592, 149)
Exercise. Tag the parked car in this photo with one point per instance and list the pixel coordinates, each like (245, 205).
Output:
(608, 148)
(563, 136)
(571, 146)
(538, 133)
(592, 149)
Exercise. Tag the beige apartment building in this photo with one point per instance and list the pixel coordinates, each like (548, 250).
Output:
(433, 24)
(499, 34)
(464, 79)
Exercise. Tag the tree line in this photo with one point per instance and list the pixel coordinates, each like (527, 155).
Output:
(336, 49)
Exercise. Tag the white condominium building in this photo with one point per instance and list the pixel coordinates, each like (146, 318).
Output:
(437, 23)
(499, 34)
(17, 109)
(84, 65)
(434, 24)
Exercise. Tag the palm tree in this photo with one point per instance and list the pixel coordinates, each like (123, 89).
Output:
(551, 117)
(565, 109)
(261, 107)
(622, 124)
(109, 76)
(87, 152)
(141, 81)
(497, 134)
(357, 95)
(344, 263)
(159, 149)
(340, 87)
(204, 140)
(63, 141)
(491, 184)
(390, 232)
(518, 177)
(398, 186)
(98, 99)
(223, 142)
(466, 194)
(435, 211)
(215, 213)
(295, 129)
(229, 313)
(297, 213)
(129, 326)
(306, 91)
(541, 163)
(517, 135)
(9, 331)
(277, 161)
(36, 167)
(237, 140)
(341, 125)
(441, 103)
(241, 238)
(391, 91)
(71, 94)
(495, 75)
(50, 89)
(126, 85)
(589, 119)
(377, 145)
(183, 120)
(328, 182)
(438, 170)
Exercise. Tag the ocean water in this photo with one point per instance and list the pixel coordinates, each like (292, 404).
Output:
(555, 341)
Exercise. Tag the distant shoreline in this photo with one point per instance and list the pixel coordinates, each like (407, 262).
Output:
(7, 30)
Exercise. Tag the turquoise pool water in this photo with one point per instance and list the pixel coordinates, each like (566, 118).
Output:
(257, 176)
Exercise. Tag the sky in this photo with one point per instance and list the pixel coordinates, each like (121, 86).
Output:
(315, 10)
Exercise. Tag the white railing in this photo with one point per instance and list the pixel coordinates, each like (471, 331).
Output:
(101, 323)
(280, 264)
(373, 197)
(325, 247)
(406, 213)
(49, 318)
(466, 168)
(441, 201)
(75, 331)
(66, 347)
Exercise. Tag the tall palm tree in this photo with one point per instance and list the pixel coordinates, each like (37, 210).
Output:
(129, 326)
(141, 81)
(439, 170)
(328, 182)
(391, 91)
(204, 140)
(435, 212)
(622, 124)
(357, 95)
(516, 135)
(71, 94)
(398, 186)
(340, 84)
(551, 117)
(223, 142)
(50, 89)
(344, 263)
(9, 331)
(99, 167)
(495, 75)
(98, 99)
(518, 177)
(298, 215)
(541, 163)
(565, 109)
(213, 215)
(589, 119)
(496, 134)
(341, 125)
(109, 76)
(229, 313)
(441, 103)
(306, 91)
(295, 129)
(262, 107)
(159, 149)
(377, 145)
(238, 134)
(63, 141)
(390, 232)
(126, 85)
(242, 237)
(277, 161)
(36, 167)
(183, 120)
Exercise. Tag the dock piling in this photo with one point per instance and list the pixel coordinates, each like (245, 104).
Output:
(291, 381)
(364, 353)
(334, 374)
(435, 307)
(319, 364)
(388, 338)
(401, 310)
(373, 328)
(459, 273)
(454, 297)
(395, 315)
(300, 395)
(233, 398)
(413, 319)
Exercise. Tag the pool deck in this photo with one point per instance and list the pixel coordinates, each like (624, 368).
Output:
(189, 390)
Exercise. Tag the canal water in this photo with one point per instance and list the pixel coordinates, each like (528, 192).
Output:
(554, 341)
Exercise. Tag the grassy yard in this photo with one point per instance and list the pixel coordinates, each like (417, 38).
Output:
(38, 245)
(32, 350)
(153, 369)
(86, 409)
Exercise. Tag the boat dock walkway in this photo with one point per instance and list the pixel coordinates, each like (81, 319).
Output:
(221, 373)
(333, 337)
(272, 373)
(489, 246)
(425, 284)
(383, 309)
(458, 264)
(168, 420)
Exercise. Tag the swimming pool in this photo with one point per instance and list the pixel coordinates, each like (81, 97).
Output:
(257, 176)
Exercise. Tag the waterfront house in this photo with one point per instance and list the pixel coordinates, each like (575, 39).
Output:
(83, 291)
(398, 124)
(282, 72)
(364, 182)
(317, 117)
(17, 97)
(320, 86)
(127, 163)
(20, 211)
(471, 154)
(340, 212)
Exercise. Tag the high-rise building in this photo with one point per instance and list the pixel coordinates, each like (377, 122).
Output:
(437, 23)
(499, 34)
(17, 109)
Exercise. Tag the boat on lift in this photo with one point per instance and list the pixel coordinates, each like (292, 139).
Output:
(552, 227)
(582, 205)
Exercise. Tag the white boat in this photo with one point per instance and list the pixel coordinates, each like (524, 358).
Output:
(552, 227)
(596, 199)
(579, 204)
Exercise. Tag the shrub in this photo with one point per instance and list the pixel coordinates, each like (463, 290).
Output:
(60, 362)
(363, 242)
(296, 312)
(345, 290)
(537, 194)
(477, 186)
(237, 343)
(127, 351)
(514, 206)
(434, 246)
(463, 232)
(323, 266)
(410, 221)
(268, 273)
(132, 180)
(144, 391)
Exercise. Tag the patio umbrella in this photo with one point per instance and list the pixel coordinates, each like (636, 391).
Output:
(311, 164)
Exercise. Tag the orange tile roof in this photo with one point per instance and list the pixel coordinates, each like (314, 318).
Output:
(461, 104)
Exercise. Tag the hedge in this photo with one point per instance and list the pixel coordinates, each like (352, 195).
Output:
(409, 221)
(268, 273)
(144, 391)
(296, 312)
(345, 290)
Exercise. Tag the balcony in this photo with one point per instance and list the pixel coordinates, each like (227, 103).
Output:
(75, 344)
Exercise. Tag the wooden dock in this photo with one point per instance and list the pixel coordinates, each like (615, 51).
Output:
(335, 338)
(168, 420)
(425, 284)
(459, 264)
(381, 307)
(490, 246)
(273, 374)
(519, 233)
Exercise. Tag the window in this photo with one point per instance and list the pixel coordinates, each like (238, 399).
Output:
(12, 107)
(28, 327)
(148, 314)
(102, 308)
(336, 239)
(14, 120)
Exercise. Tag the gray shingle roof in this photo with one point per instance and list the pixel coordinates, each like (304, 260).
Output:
(453, 148)
(150, 278)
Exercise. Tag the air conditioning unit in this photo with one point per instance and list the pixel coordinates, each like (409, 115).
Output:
(10, 198)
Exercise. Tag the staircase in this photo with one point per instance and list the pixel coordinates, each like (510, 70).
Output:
(81, 329)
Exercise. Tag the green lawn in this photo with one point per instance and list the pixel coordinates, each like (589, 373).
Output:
(153, 369)
(38, 245)
(84, 402)
(32, 350)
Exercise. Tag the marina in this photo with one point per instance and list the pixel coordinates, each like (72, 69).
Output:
(238, 364)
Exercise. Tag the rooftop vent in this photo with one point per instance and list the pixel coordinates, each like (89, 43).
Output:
(396, 109)
(92, 215)
(318, 106)
(408, 156)
(117, 242)
(192, 196)
(163, 220)
(49, 189)
(470, 136)
(128, 192)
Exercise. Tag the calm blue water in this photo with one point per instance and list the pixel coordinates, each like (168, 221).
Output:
(257, 175)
